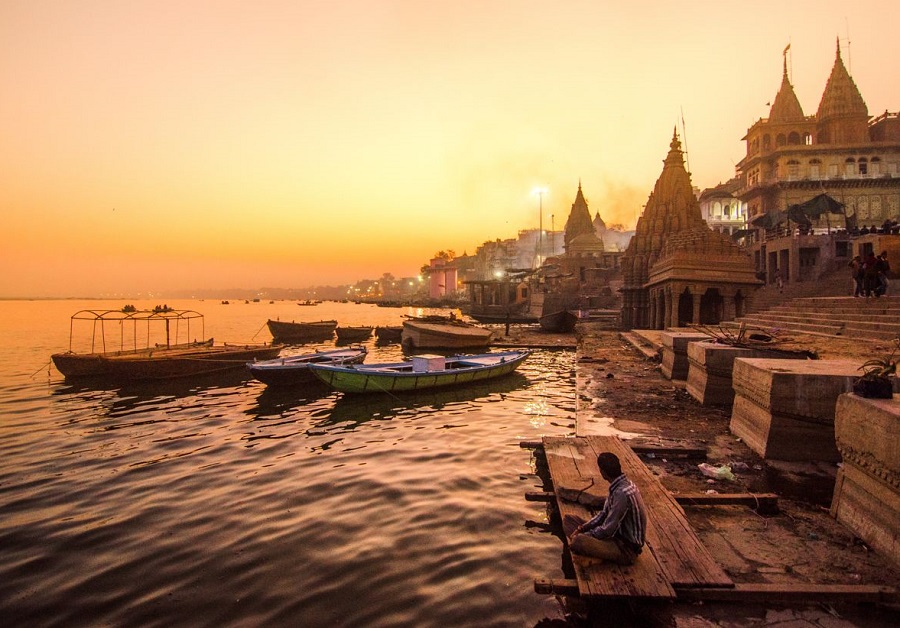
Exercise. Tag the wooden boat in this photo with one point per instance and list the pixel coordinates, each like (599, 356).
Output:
(500, 319)
(283, 331)
(308, 303)
(443, 333)
(294, 369)
(353, 334)
(420, 373)
(160, 360)
(388, 334)
(562, 321)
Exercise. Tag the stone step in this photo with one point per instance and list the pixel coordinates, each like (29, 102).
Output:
(877, 322)
(846, 330)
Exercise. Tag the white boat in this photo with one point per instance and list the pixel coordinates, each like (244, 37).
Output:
(443, 333)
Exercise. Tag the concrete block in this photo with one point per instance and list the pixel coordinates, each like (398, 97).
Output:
(674, 352)
(867, 491)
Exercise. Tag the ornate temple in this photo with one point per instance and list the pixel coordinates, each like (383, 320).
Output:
(677, 270)
(792, 158)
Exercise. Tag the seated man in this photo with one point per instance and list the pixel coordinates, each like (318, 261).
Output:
(616, 533)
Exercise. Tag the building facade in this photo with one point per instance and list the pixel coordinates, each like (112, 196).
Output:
(840, 151)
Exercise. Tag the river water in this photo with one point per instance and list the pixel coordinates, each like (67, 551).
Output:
(219, 502)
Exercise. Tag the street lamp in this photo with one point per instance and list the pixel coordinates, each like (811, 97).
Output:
(540, 191)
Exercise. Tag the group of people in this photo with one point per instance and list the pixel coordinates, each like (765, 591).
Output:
(870, 275)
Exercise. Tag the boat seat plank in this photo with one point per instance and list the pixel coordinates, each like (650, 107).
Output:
(672, 546)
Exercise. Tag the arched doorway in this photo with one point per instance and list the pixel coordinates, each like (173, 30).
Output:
(712, 307)
(685, 308)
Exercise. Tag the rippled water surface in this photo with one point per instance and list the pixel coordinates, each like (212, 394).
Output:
(221, 502)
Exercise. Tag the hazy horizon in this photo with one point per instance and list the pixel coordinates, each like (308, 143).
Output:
(175, 145)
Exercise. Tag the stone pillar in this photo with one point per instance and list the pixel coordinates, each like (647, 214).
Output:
(730, 312)
(652, 324)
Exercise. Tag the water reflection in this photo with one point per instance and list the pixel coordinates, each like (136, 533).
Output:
(356, 409)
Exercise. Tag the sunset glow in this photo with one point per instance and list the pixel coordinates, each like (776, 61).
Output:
(205, 143)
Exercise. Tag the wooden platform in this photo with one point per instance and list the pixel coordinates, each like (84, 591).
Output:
(673, 557)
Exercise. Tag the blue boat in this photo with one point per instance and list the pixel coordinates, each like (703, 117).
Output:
(293, 370)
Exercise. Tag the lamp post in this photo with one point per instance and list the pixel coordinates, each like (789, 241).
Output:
(540, 191)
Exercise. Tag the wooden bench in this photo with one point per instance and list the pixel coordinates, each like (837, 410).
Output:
(673, 556)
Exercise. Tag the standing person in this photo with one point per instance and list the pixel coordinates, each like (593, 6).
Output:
(778, 280)
(870, 275)
(883, 268)
(616, 533)
(856, 275)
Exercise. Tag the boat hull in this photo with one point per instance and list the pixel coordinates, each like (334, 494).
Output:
(161, 363)
(401, 377)
(283, 331)
(450, 335)
(294, 370)
(353, 334)
(563, 321)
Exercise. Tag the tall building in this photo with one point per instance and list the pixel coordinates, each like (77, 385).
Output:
(792, 157)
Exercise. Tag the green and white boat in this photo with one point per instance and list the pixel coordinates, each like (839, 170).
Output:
(422, 372)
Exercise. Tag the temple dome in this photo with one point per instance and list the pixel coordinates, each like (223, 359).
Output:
(786, 107)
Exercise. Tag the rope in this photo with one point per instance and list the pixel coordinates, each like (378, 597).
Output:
(41, 369)
(259, 330)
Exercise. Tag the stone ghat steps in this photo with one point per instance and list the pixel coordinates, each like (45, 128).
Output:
(874, 319)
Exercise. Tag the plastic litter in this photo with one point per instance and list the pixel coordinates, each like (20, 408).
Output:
(717, 473)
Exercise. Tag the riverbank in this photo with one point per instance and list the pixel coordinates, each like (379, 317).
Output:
(620, 389)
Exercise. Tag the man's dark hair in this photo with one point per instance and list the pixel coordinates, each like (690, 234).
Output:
(609, 464)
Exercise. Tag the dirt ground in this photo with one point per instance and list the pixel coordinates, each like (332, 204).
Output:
(621, 388)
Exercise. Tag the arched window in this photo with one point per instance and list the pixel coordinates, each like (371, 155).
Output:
(781, 140)
(849, 167)
(767, 142)
(794, 138)
(875, 167)
(815, 168)
(793, 168)
(863, 166)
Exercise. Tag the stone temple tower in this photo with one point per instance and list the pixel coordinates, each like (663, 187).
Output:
(671, 208)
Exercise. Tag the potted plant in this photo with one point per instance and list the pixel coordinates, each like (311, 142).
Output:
(878, 375)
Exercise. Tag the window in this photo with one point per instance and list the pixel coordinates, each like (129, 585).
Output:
(863, 166)
(849, 167)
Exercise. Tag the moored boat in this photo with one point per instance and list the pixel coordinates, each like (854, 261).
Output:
(291, 332)
(420, 373)
(385, 334)
(352, 334)
(292, 370)
(562, 321)
(443, 333)
(161, 360)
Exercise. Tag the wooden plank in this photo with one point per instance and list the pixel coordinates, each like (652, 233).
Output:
(539, 496)
(556, 586)
(672, 452)
(764, 503)
(569, 467)
(790, 593)
(684, 559)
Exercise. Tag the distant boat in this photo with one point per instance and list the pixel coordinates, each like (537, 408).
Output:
(388, 334)
(443, 333)
(151, 362)
(301, 332)
(353, 334)
(422, 372)
(293, 370)
(308, 302)
(562, 321)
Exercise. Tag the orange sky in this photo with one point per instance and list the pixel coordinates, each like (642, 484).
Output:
(148, 145)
